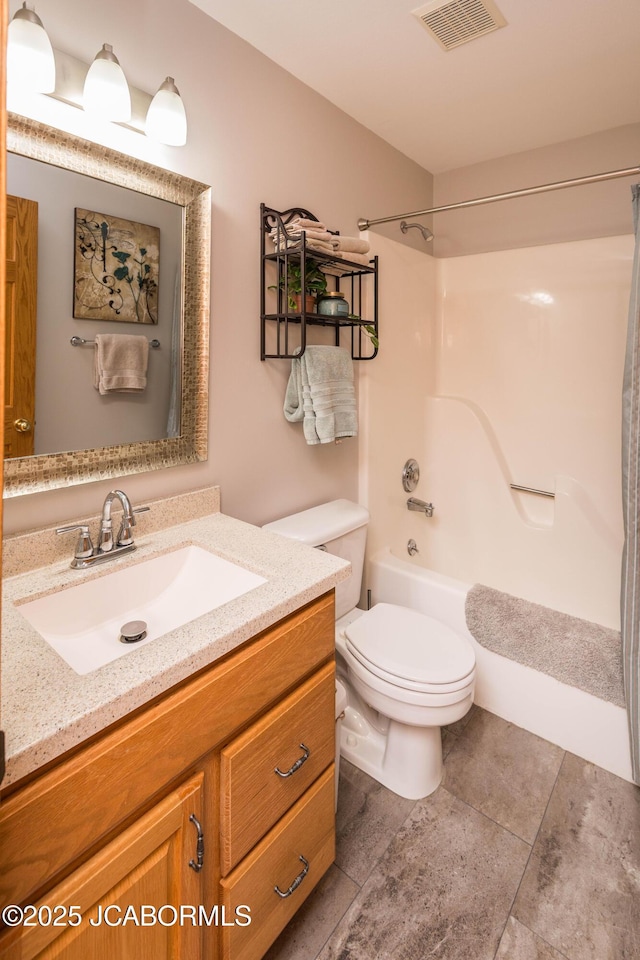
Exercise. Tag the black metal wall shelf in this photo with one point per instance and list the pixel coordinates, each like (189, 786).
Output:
(283, 330)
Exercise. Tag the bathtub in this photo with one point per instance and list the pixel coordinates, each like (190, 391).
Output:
(574, 720)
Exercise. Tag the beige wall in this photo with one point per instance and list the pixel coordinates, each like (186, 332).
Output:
(255, 134)
(578, 213)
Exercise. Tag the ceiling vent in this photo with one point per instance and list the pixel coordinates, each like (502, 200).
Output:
(454, 22)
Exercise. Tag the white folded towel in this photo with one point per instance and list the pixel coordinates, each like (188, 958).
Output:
(321, 393)
(350, 244)
(120, 363)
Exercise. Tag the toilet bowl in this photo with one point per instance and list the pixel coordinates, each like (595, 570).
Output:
(405, 674)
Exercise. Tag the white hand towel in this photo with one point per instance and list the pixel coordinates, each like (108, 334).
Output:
(321, 393)
(120, 364)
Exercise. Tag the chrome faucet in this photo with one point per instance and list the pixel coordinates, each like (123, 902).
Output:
(414, 504)
(125, 537)
(85, 554)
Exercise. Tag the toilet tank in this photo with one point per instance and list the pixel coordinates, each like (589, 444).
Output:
(339, 526)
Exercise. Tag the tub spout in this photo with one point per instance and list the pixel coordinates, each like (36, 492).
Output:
(414, 504)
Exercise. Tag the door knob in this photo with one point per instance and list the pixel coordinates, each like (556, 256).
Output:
(22, 425)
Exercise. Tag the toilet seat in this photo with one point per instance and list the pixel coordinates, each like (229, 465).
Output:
(410, 650)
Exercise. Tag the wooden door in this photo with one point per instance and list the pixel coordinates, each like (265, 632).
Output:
(20, 330)
(143, 875)
(4, 8)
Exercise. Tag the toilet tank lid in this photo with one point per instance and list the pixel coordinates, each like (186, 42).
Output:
(321, 524)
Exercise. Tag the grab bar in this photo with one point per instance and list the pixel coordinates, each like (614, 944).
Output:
(539, 493)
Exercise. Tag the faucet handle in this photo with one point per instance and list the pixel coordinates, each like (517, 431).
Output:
(84, 546)
(138, 510)
(125, 536)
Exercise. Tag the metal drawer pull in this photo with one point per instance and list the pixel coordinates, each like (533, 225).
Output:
(296, 883)
(296, 765)
(197, 866)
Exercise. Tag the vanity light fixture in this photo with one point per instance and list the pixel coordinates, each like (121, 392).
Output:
(101, 89)
(30, 60)
(166, 118)
(106, 91)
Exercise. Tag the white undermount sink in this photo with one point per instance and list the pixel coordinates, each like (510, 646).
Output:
(82, 622)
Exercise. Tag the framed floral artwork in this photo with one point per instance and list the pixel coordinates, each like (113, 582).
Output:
(117, 264)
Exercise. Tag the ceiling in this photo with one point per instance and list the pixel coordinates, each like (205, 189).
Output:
(560, 69)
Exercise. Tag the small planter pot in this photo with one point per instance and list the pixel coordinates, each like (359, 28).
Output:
(309, 303)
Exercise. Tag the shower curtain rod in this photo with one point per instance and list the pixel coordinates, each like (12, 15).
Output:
(526, 192)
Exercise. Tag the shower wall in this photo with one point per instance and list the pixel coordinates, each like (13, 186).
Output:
(393, 388)
(509, 371)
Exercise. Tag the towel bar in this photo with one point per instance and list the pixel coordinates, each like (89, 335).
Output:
(81, 342)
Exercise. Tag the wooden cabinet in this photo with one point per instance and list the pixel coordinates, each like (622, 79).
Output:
(122, 901)
(114, 826)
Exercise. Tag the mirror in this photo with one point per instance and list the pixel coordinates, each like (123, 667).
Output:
(154, 431)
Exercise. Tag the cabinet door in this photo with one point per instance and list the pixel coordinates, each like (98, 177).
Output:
(147, 866)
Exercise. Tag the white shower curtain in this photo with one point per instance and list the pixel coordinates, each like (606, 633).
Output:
(630, 593)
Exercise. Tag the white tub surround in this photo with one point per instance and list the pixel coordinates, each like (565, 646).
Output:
(511, 368)
(48, 709)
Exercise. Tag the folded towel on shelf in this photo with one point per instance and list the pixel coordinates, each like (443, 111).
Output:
(120, 363)
(294, 243)
(350, 259)
(296, 235)
(350, 244)
(304, 223)
(321, 394)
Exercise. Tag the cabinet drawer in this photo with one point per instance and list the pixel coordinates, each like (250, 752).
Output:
(297, 738)
(308, 831)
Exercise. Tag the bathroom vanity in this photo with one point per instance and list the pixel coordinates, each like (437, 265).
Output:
(195, 823)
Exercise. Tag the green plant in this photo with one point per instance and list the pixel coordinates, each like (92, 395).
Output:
(315, 282)
(369, 329)
(371, 333)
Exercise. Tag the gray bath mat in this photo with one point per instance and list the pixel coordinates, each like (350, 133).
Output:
(577, 652)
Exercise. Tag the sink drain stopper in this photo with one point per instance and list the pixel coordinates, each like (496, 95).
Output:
(133, 631)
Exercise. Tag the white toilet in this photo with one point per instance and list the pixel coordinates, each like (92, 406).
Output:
(406, 674)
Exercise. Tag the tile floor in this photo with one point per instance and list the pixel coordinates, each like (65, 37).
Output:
(524, 852)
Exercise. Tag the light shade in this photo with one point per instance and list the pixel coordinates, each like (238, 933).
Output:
(30, 61)
(106, 91)
(166, 117)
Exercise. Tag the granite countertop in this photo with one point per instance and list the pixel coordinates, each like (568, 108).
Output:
(47, 708)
